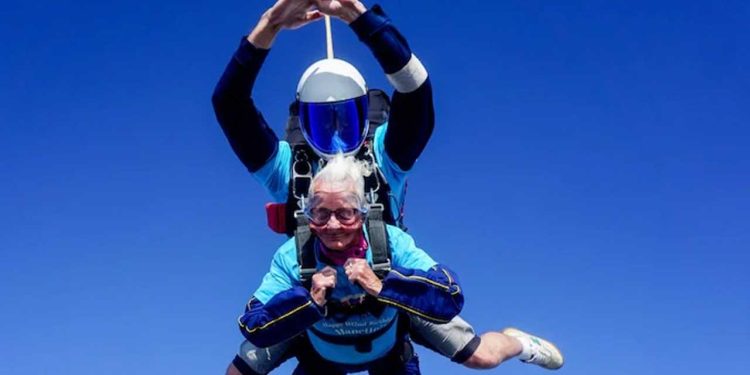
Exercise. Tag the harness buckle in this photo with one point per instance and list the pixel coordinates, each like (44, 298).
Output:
(372, 182)
(382, 269)
(302, 175)
(306, 274)
(375, 208)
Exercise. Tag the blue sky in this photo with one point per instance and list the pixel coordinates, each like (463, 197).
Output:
(588, 178)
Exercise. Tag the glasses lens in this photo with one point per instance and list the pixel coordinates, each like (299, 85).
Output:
(346, 215)
(320, 216)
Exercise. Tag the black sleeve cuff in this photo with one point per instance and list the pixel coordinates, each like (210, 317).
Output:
(467, 351)
(369, 23)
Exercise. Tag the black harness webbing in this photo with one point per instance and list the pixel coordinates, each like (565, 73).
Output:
(381, 253)
(303, 240)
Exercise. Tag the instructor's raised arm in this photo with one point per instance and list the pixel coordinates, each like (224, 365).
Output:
(247, 132)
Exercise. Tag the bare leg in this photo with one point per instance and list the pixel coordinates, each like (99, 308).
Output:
(493, 350)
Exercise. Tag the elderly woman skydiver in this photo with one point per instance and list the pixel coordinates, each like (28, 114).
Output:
(348, 320)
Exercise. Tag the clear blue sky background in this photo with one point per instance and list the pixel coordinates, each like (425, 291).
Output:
(589, 179)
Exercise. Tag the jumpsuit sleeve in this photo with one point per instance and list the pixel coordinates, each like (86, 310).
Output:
(252, 140)
(417, 284)
(281, 307)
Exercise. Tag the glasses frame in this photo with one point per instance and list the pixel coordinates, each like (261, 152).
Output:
(358, 212)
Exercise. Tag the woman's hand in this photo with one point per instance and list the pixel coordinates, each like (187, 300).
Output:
(322, 281)
(359, 271)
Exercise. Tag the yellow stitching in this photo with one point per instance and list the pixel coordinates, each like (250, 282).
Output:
(424, 279)
(411, 310)
(450, 279)
(275, 320)
(458, 291)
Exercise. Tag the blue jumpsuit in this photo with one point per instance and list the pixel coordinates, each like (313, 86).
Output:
(354, 331)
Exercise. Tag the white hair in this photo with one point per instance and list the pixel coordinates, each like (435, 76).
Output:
(343, 171)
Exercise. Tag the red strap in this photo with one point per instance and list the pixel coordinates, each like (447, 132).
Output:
(276, 215)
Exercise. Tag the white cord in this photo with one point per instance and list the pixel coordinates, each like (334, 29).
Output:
(329, 37)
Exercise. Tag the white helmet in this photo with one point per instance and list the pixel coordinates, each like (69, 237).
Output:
(332, 98)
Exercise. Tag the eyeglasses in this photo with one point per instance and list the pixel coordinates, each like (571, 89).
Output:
(344, 215)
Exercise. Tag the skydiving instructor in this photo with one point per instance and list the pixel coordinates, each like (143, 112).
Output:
(409, 128)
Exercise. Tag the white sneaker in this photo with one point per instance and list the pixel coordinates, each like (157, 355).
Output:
(540, 351)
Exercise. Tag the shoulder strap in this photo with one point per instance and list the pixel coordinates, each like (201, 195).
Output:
(381, 253)
(301, 174)
(292, 131)
(377, 189)
(378, 108)
(304, 242)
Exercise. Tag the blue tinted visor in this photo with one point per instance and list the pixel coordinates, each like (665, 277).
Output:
(334, 127)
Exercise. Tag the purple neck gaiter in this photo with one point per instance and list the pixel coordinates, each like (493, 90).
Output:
(339, 257)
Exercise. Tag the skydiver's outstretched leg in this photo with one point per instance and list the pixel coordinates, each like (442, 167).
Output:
(494, 349)
(497, 347)
(456, 340)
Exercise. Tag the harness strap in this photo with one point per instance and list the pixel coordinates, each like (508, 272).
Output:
(377, 189)
(381, 254)
(305, 253)
(302, 175)
(379, 108)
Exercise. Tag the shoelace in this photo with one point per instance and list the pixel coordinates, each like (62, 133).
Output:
(540, 355)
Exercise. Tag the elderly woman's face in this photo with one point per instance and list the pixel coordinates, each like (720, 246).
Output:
(337, 203)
